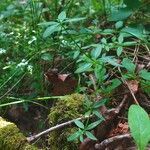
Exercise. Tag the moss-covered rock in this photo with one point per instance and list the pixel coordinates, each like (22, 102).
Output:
(11, 138)
(67, 108)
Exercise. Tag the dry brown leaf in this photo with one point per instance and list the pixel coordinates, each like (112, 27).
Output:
(133, 85)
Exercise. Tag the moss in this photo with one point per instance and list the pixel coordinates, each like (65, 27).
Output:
(67, 108)
(11, 138)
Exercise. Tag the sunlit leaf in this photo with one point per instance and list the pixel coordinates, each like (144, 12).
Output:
(95, 53)
(62, 16)
(83, 67)
(128, 64)
(139, 124)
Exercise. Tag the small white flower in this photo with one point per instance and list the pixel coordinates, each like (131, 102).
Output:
(30, 69)
(32, 40)
(77, 4)
(2, 51)
(22, 63)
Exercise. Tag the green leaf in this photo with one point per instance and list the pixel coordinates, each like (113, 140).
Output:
(100, 73)
(83, 67)
(81, 138)
(74, 136)
(121, 14)
(135, 31)
(98, 114)
(128, 64)
(95, 53)
(120, 38)
(110, 60)
(62, 16)
(132, 4)
(94, 124)
(50, 30)
(119, 24)
(139, 124)
(99, 103)
(119, 50)
(79, 124)
(145, 85)
(114, 84)
(46, 24)
(144, 74)
(47, 57)
(90, 135)
(76, 54)
(74, 20)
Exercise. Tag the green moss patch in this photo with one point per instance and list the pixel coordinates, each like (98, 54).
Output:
(67, 108)
(11, 138)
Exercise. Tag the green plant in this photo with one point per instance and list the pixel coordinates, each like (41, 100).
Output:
(84, 129)
(139, 123)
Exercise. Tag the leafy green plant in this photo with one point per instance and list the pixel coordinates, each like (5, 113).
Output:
(139, 123)
(85, 129)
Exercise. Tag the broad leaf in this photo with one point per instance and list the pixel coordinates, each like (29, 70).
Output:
(144, 74)
(139, 124)
(62, 16)
(121, 14)
(119, 24)
(132, 4)
(119, 50)
(95, 53)
(128, 64)
(51, 29)
(110, 60)
(135, 31)
(84, 67)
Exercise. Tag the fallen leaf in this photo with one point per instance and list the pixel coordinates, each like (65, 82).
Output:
(133, 85)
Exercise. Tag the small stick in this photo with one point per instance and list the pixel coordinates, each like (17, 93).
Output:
(13, 86)
(125, 82)
(106, 142)
(59, 126)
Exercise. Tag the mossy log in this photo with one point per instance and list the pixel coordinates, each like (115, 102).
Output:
(67, 108)
(11, 138)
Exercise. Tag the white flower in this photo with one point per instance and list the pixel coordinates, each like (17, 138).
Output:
(22, 63)
(2, 51)
(30, 69)
(32, 40)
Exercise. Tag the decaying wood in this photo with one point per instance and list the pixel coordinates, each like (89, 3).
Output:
(106, 142)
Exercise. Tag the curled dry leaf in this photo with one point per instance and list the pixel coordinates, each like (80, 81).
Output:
(133, 85)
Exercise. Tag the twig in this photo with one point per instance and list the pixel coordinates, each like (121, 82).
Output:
(135, 100)
(106, 142)
(13, 86)
(59, 126)
(125, 82)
